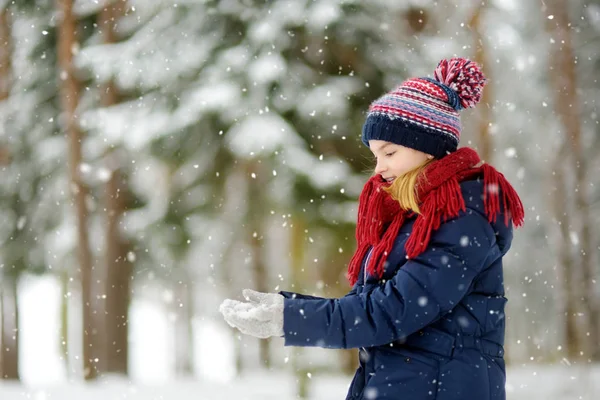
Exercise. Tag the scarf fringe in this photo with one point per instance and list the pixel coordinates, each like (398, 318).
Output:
(377, 263)
(363, 208)
(442, 203)
(374, 208)
(495, 184)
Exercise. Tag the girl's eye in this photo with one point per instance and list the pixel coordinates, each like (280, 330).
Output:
(390, 154)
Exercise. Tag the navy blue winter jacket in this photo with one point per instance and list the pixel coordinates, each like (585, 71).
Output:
(432, 327)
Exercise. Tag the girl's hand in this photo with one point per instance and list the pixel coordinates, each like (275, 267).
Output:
(261, 316)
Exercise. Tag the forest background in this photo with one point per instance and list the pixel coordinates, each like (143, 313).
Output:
(157, 156)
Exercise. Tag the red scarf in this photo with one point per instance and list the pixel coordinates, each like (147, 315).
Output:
(440, 198)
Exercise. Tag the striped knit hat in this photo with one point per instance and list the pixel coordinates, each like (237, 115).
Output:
(422, 113)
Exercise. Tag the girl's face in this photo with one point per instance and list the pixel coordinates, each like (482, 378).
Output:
(394, 160)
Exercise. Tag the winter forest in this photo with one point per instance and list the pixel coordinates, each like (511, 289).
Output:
(158, 156)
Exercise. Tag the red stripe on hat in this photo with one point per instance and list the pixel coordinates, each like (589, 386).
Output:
(426, 86)
(415, 117)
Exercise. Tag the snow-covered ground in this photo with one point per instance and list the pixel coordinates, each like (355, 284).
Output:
(524, 383)
(45, 378)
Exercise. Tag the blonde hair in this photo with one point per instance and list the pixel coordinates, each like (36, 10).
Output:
(404, 188)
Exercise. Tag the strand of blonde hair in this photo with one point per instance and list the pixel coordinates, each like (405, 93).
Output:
(404, 188)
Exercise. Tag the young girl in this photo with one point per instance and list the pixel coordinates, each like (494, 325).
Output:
(426, 307)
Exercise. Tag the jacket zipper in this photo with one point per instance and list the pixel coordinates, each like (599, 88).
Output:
(367, 263)
(368, 258)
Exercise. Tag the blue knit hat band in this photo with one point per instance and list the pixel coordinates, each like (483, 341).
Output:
(407, 134)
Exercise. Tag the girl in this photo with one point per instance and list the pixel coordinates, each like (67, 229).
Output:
(426, 309)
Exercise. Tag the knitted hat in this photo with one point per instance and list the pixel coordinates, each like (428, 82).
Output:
(422, 113)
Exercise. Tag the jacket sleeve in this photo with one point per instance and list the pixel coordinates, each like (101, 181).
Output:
(423, 290)
(299, 296)
(294, 295)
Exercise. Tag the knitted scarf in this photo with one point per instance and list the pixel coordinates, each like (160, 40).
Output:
(440, 198)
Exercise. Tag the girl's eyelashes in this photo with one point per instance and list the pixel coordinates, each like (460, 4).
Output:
(386, 155)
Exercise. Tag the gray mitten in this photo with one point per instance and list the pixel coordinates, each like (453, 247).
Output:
(267, 299)
(261, 316)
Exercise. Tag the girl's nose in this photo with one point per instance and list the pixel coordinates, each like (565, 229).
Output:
(379, 168)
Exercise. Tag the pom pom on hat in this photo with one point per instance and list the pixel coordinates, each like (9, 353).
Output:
(464, 77)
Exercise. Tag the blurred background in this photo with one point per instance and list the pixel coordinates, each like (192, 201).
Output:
(157, 156)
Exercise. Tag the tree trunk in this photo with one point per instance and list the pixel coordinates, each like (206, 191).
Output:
(6, 47)
(69, 90)
(5, 84)
(119, 268)
(108, 18)
(9, 339)
(485, 109)
(564, 81)
(568, 300)
(5, 157)
(10, 329)
(255, 226)
(9, 311)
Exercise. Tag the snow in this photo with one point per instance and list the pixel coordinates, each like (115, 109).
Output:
(137, 123)
(509, 5)
(323, 13)
(151, 328)
(267, 68)
(593, 14)
(261, 135)
(250, 387)
(133, 126)
(133, 66)
(40, 299)
(525, 383)
(265, 31)
(330, 98)
(209, 97)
